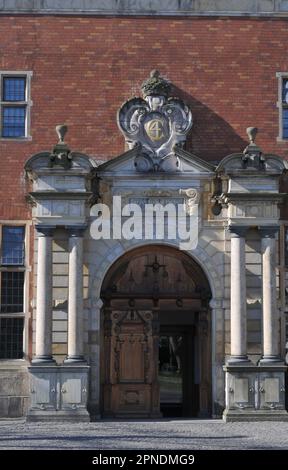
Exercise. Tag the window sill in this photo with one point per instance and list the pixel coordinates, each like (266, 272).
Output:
(13, 364)
(16, 139)
(282, 140)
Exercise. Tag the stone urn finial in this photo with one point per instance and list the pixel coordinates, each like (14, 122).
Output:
(61, 154)
(61, 130)
(252, 132)
(252, 154)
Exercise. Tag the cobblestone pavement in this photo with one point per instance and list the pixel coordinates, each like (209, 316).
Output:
(137, 435)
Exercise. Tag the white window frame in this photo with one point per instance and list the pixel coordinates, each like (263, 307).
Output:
(281, 76)
(28, 103)
(27, 270)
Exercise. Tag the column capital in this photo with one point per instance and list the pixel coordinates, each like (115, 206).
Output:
(270, 231)
(76, 230)
(238, 231)
(45, 230)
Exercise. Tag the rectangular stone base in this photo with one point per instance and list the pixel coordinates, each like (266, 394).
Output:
(61, 416)
(230, 416)
(255, 393)
(58, 393)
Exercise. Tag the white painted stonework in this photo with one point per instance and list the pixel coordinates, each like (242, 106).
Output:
(236, 388)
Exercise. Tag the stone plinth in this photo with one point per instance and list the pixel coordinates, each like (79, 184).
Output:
(255, 393)
(58, 393)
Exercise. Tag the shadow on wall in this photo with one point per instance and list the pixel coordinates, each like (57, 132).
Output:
(211, 137)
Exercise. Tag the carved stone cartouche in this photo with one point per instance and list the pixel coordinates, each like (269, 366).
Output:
(156, 124)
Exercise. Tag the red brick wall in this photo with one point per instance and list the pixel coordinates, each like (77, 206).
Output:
(84, 68)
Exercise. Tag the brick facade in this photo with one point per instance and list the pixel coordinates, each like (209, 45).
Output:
(85, 67)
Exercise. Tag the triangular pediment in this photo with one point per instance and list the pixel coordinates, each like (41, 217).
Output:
(125, 165)
(192, 163)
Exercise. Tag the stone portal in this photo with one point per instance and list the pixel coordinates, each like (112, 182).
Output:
(156, 353)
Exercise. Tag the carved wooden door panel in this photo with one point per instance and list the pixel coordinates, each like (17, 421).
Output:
(131, 364)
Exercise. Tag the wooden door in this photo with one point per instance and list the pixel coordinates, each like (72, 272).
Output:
(131, 364)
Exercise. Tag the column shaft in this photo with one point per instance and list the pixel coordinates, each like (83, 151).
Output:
(238, 296)
(75, 297)
(269, 298)
(43, 348)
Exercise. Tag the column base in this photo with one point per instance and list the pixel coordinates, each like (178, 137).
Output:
(233, 360)
(42, 360)
(266, 360)
(75, 360)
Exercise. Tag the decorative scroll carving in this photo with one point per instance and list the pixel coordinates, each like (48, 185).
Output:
(192, 199)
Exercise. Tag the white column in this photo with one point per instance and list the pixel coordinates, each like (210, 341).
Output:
(238, 296)
(44, 296)
(75, 296)
(269, 298)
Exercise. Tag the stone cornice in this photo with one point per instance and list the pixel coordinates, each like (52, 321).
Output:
(265, 8)
(275, 197)
(275, 367)
(60, 195)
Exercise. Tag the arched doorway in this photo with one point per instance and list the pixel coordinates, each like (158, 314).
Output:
(156, 336)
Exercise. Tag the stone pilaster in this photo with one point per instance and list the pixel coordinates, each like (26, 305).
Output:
(238, 296)
(269, 296)
(75, 296)
(43, 351)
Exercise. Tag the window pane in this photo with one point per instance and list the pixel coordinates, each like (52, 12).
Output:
(12, 284)
(286, 246)
(13, 120)
(14, 88)
(11, 338)
(13, 245)
(285, 122)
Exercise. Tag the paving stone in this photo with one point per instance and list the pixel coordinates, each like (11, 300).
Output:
(137, 435)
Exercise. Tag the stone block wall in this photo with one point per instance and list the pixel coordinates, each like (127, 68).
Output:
(14, 389)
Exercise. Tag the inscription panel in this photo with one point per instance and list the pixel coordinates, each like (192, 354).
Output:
(241, 394)
(271, 387)
(72, 389)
